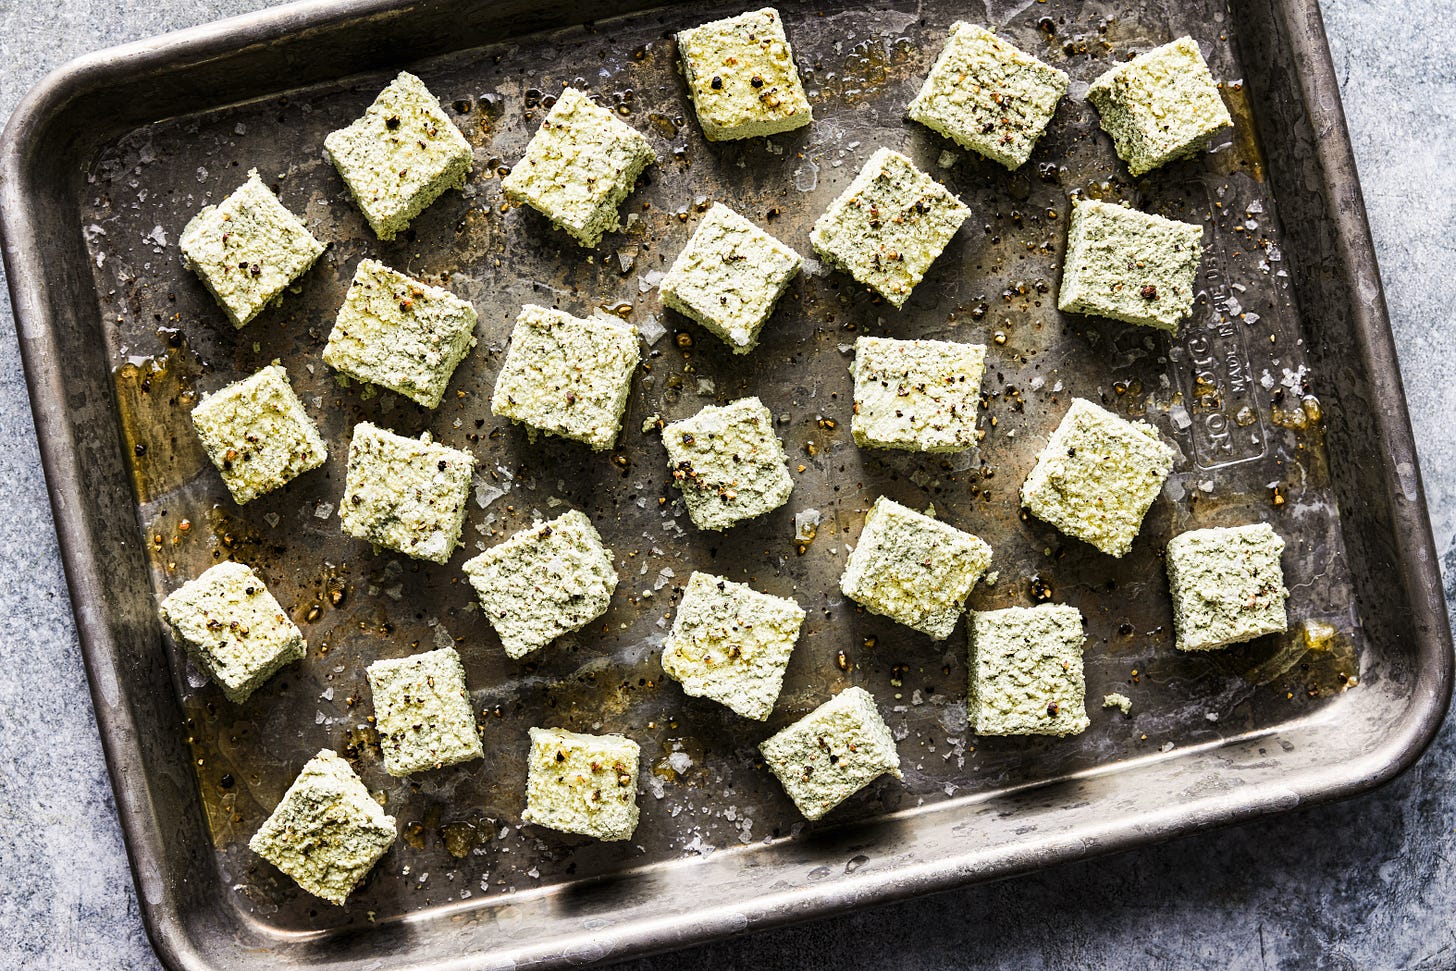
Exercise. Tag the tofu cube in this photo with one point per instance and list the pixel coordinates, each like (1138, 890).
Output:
(988, 96)
(584, 784)
(729, 277)
(545, 581)
(1026, 671)
(233, 628)
(913, 569)
(1129, 265)
(1227, 586)
(732, 643)
(578, 167)
(741, 77)
(728, 463)
(328, 832)
(918, 395)
(405, 494)
(400, 334)
(400, 155)
(247, 249)
(889, 226)
(1097, 476)
(1160, 106)
(833, 752)
(422, 710)
(257, 434)
(566, 376)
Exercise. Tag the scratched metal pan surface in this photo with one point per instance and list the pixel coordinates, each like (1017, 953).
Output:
(1281, 395)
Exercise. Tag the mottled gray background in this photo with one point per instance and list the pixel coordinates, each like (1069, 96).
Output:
(1369, 883)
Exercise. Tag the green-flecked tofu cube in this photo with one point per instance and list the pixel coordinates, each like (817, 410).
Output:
(233, 628)
(400, 155)
(918, 395)
(567, 376)
(732, 643)
(889, 226)
(988, 96)
(1227, 585)
(728, 463)
(1129, 265)
(578, 167)
(545, 581)
(1160, 106)
(405, 494)
(833, 752)
(1026, 671)
(913, 569)
(422, 710)
(400, 334)
(257, 434)
(729, 277)
(328, 832)
(1097, 476)
(584, 784)
(741, 77)
(247, 249)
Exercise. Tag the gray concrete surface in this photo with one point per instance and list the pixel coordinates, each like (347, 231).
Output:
(1369, 883)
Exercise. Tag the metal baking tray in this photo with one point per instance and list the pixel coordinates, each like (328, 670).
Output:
(1282, 395)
